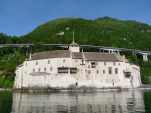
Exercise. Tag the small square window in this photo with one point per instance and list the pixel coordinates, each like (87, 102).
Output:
(114, 63)
(64, 60)
(89, 71)
(45, 69)
(33, 70)
(36, 62)
(97, 71)
(48, 61)
(103, 71)
(50, 68)
(93, 64)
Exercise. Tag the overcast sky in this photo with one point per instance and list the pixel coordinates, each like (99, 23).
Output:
(18, 17)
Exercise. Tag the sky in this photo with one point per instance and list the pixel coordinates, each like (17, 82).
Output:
(19, 17)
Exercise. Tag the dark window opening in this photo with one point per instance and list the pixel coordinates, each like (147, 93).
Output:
(82, 62)
(97, 71)
(89, 71)
(63, 69)
(73, 70)
(114, 63)
(33, 70)
(127, 74)
(103, 71)
(45, 69)
(93, 64)
(110, 70)
(116, 70)
(50, 68)
(36, 62)
(76, 83)
(48, 61)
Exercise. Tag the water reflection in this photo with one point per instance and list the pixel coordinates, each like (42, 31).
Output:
(107, 102)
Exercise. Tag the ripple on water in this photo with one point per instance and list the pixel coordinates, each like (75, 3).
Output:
(104, 102)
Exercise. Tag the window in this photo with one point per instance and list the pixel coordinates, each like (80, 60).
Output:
(82, 62)
(89, 71)
(64, 60)
(45, 69)
(103, 71)
(97, 71)
(127, 74)
(110, 70)
(33, 70)
(36, 62)
(114, 63)
(73, 70)
(116, 70)
(93, 64)
(48, 61)
(39, 69)
(63, 69)
(85, 70)
(50, 68)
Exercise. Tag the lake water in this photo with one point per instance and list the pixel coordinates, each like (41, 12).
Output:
(138, 101)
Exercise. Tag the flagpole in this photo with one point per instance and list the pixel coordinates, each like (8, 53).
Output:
(73, 37)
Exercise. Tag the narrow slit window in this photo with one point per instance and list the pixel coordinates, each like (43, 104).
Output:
(116, 70)
(110, 70)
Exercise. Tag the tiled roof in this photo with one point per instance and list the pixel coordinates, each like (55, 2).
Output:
(92, 56)
(100, 56)
(51, 54)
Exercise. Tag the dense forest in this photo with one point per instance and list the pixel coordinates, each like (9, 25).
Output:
(103, 31)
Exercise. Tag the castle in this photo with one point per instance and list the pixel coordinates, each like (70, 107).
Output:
(74, 68)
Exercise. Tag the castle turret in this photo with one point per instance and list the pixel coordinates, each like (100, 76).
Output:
(74, 47)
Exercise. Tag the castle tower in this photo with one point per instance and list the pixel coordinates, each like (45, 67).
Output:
(74, 47)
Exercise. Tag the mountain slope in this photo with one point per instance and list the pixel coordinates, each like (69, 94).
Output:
(102, 31)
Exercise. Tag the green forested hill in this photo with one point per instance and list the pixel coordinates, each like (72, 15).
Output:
(104, 31)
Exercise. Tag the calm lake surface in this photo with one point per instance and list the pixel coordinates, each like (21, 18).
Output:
(138, 101)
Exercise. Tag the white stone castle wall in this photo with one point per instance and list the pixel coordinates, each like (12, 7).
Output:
(83, 78)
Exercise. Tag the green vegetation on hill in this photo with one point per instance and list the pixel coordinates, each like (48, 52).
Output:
(104, 31)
